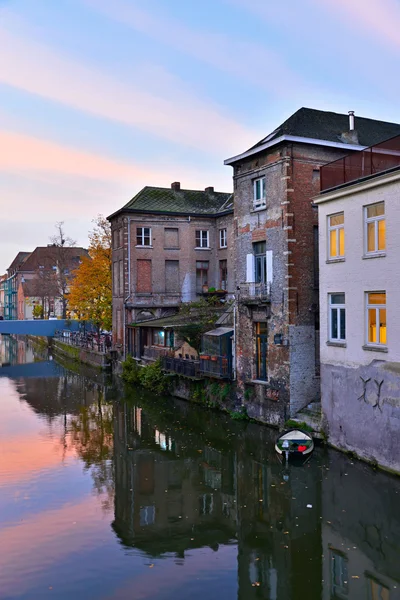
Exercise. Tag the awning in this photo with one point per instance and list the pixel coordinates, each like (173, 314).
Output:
(219, 331)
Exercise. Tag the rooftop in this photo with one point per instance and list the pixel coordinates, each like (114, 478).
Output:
(328, 128)
(179, 201)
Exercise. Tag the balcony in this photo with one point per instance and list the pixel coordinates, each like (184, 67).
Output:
(156, 299)
(254, 293)
(372, 161)
(181, 366)
(219, 367)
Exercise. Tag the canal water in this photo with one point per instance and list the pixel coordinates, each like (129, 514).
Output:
(113, 494)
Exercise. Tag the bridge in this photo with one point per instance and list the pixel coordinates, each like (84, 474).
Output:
(43, 327)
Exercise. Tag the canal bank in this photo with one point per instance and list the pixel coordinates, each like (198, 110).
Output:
(123, 495)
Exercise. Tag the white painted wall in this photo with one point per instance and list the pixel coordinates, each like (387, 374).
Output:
(357, 275)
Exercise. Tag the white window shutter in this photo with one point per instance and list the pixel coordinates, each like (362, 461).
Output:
(250, 269)
(270, 273)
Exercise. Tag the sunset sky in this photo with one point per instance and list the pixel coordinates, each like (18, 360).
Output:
(100, 97)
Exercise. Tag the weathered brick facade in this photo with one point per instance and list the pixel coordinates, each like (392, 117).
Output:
(288, 226)
(151, 281)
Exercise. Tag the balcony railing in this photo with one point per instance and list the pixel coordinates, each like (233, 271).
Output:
(259, 292)
(156, 299)
(216, 366)
(189, 368)
(371, 161)
(154, 353)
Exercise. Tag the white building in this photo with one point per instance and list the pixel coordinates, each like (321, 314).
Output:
(359, 258)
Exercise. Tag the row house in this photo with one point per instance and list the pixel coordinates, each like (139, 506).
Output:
(3, 280)
(170, 246)
(33, 279)
(276, 256)
(359, 245)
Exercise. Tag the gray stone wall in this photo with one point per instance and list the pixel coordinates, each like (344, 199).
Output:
(304, 384)
(361, 410)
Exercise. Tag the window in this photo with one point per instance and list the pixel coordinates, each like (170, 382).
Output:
(339, 574)
(120, 237)
(223, 275)
(336, 236)
(375, 228)
(172, 276)
(259, 192)
(376, 318)
(158, 337)
(143, 276)
(201, 275)
(115, 238)
(143, 236)
(202, 238)
(337, 318)
(260, 262)
(261, 350)
(115, 279)
(121, 278)
(222, 238)
(171, 237)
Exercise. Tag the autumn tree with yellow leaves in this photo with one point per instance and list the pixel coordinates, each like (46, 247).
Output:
(90, 296)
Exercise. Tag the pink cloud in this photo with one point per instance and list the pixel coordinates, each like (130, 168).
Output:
(379, 18)
(178, 115)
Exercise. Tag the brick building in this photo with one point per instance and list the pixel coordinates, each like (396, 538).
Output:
(169, 246)
(276, 256)
(37, 278)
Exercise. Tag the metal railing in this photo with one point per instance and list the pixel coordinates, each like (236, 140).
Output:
(371, 161)
(181, 366)
(88, 341)
(216, 366)
(154, 353)
(254, 291)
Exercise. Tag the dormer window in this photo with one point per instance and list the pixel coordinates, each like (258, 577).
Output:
(259, 192)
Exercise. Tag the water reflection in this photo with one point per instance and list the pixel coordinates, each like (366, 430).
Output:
(141, 497)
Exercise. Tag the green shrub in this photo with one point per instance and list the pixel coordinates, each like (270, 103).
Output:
(131, 370)
(153, 378)
(240, 415)
(297, 425)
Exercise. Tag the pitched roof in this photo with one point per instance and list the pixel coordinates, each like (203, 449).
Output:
(47, 256)
(323, 125)
(329, 127)
(30, 288)
(18, 260)
(188, 202)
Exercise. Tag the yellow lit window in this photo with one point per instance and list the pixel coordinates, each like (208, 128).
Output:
(376, 318)
(336, 236)
(375, 227)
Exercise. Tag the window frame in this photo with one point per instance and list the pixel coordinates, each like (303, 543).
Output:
(142, 236)
(223, 238)
(337, 229)
(223, 271)
(260, 202)
(374, 220)
(338, 308)
(377, 308)
(199, 237)
(202, 269)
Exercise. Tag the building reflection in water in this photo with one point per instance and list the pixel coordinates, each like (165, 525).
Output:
(180, 486)
(179, 478)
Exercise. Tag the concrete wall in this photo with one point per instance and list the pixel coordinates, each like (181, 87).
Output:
(361, 384)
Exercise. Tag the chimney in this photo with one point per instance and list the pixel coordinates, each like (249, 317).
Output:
(209, 190)
(176, 186)
(350, 136)
(351, 120)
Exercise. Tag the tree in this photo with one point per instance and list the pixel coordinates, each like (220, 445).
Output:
(199, 317)
(90, 294)
(60, 244)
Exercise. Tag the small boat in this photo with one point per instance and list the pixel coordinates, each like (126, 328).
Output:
(295, 443)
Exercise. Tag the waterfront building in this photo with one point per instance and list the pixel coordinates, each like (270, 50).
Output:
(276, 256)
(169, 246)
(3, 279)
(359, 246)
(37, 279)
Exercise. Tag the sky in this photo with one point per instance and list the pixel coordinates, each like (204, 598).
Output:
(99, 98)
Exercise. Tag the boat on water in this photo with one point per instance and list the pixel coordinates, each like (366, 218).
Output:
(294, 443)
